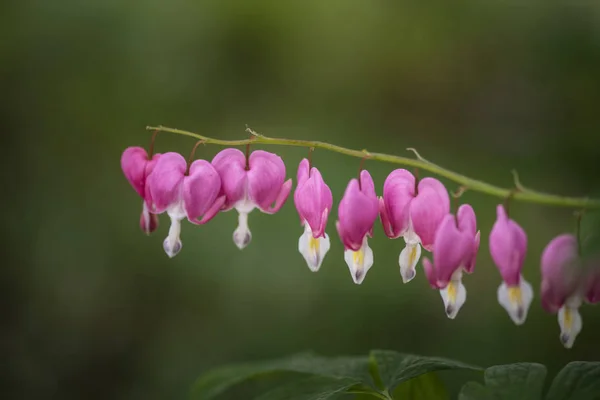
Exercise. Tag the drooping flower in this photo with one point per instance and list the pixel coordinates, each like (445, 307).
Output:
(258, 182)
(413, 210)
(137, 166)
(563, 288)
(183, 192)
(357, 213)
(313, 200)
(508, 247)
(454, 251)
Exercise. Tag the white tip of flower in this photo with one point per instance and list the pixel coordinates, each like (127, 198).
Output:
(516, 300)
(242, 235)
(409, 257)
(172, 244)
(454, 296)
(570, 323)
(359, 262)
(313, 250)
(172, 248)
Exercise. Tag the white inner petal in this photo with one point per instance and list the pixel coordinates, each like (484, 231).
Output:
(570, 321)
(409, 257)
(359, 262)
(242, 235)
(172, 244)
(313, 250)
(410, 237)
(516, 300)
(454, 295)
(245, 205)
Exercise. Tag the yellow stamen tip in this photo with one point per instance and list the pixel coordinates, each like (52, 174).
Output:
(514, 295)
(452, 292)
(359, 257)
(314, 244)
(412, 256)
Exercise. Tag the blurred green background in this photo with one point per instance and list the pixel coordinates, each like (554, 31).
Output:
(92, 308)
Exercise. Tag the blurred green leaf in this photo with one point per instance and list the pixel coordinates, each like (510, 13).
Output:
(509, 382)
(426, 386)
(219, 380)
(578, 380)
(395, 368)
(475, 391)
(311, 388)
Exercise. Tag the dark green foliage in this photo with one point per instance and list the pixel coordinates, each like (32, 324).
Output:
(390, 375)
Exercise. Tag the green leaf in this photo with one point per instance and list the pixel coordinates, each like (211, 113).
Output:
(475, 391)
(578, 380)
(509, 382)
(217, 381)
(426, 386)
(395, 368)
(311, 388)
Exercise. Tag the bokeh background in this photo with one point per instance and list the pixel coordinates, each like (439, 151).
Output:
(92, 308)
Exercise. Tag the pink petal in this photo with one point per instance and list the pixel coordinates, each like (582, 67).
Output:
(231, 166)
(303, 172)
(560, 266)
(148, 221)
(164, 183)
(428, 209)
(385, 219)
(467, 221)
(451, 248)
(357, 212)
(313, 200)
(321, 230)
(592, 294)
(508, 247)
(470, 261)
(430, 273)
(367, 186)
(212, 211)
(200, 189)
(398, 192)
(282, 196)
(265, 180)
(133, 164)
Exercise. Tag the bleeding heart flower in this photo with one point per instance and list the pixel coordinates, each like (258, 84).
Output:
(454, 251)
(183, 192)
(357, 212)
(414, 211)
(137, 166)
(508, 247)
(313, 201)
(258, 183)
(565, 284)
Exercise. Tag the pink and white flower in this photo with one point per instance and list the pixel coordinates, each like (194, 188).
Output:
(137, 166)
(183, 192)
(508, 247)
(412, 210)
(258, 182)
(357, 213)
(313, 200)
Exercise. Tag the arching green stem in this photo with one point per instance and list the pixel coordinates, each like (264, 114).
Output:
(521, 194)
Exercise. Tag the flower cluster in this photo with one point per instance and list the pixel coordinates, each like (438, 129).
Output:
(418, 210)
